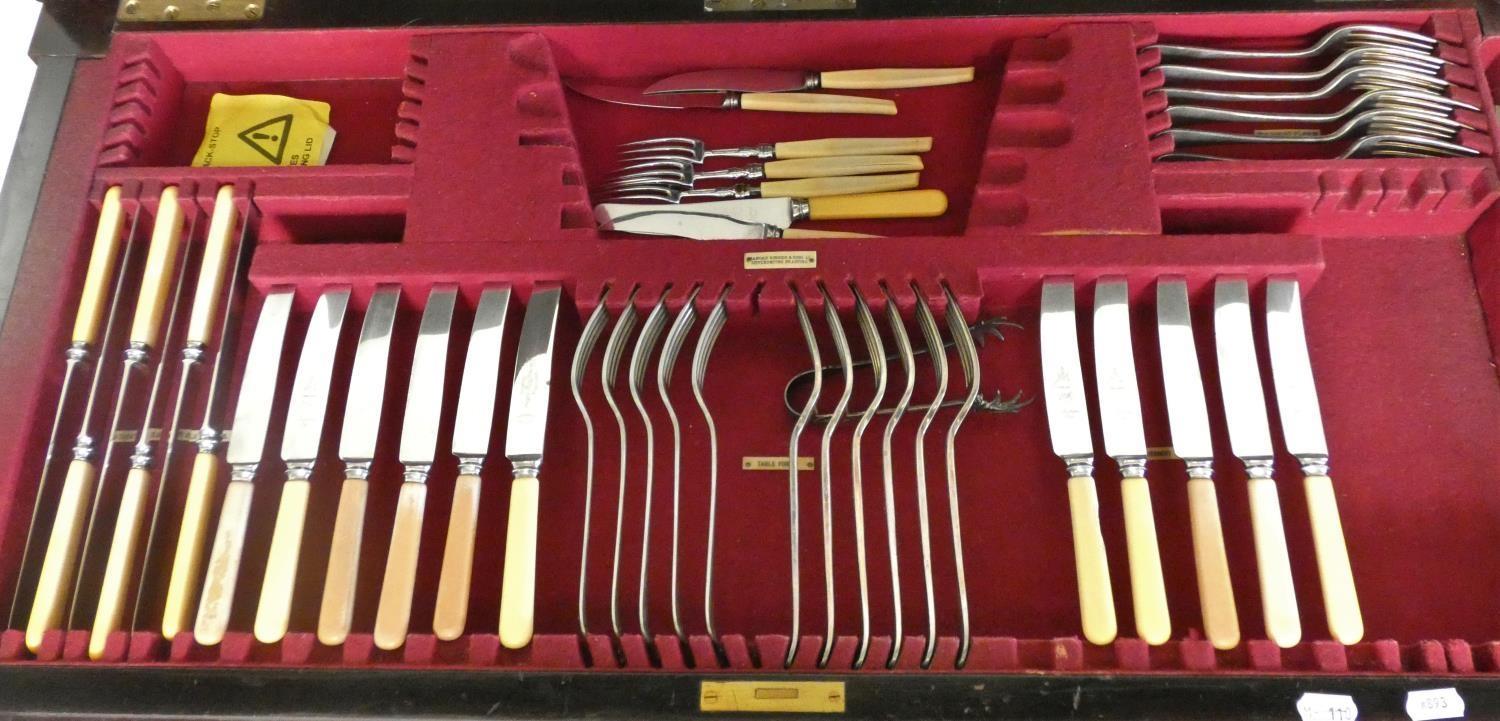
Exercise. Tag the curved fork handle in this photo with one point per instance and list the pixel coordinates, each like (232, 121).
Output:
(52, 585)
(829, 147)
(452, 611)
(1152, 620)
(120, 566)
(886, 78)
(1340, 600)
(817, 103)
(1278, 596)
(1096, 601)
(336, 615)
(1221, 621)
(518, 592)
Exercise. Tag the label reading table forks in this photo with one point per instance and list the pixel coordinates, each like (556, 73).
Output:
(774, 463)
(1433, 704)
(1327, 707)
(781, 259)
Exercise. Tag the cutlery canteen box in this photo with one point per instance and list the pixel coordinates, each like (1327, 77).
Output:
(461, 157)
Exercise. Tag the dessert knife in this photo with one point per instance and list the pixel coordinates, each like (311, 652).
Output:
(1250, 438)
(783, 212)
(1068, 424)
(776, 102)
(362, 411)
(419, 438)
(300, 440)
(711, 226)
(1125, 441)
(1302, 429)
(247, 445)
(1187, 414)
(750, 80)
(525, 435)
(471, 444)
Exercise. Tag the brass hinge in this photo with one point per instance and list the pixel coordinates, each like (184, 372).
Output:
(190, 11)
(741, 6)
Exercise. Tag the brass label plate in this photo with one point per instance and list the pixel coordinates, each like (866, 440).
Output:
(781, 260)
(774, 463)
(772, 696)
(190, 11)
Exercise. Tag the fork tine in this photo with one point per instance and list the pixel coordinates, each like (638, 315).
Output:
(678, 165)
(648, 182)
(669, 139)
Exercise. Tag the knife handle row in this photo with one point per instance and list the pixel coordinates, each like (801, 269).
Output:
(828, 147)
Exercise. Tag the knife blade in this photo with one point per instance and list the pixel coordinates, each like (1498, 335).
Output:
(299, 449)
(776, 102)
(525, 438)
(1125, 441)
(471, 443)
(418, 450)
(1302, 429)
(247, 445)
(751, 80)
(783, 212)
(1068, 425)
(710, 226)
(1250, 438)
(362, 412)
(1187, 416)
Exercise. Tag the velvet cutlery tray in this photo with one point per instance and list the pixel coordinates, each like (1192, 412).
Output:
(462, 158)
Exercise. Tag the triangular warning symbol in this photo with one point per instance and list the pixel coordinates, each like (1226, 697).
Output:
(267, 135)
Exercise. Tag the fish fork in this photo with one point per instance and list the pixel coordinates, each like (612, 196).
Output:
(684, 174)
(1357, 57)
(695, 151)
(1339, 37)
(1370, 146)
(1417, 102)
(1363, 77)
(804, 188)
(1381, 122)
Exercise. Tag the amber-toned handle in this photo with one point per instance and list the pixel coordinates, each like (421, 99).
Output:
(1278, 596)
(889, 78)
(224, 565)
(829, 147)
(101, 266)
(803, 234)
(280, 582)
(394, 614)
(518, 583)
(842, 165)
(166, 238)
(120, 566)
(187, 559)
(336, 615)
(1341, 602)
(851, 185)
(817, 103)
(1221, 622)
(1096, 599)
(212, 268)
(1148, 591)
(873, 206)
(458, 561)
(53, 585)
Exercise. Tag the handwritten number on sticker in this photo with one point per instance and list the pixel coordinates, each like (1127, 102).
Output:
(1434, 703)
(1327, 707)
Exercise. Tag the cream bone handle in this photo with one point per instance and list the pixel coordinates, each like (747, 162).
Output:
(224, 565)
(1096, 601)
(452, 611)
(1274, 565)
(187, 559)
(842, 165)
(393, 616)
(891, 78)
(518, 584)
(816, 103)
(1340, 601)
(925, 203)
(102, 257)
(1148, 590)
(830, 147)
(1221, 621)
(62, 553)
(850, 185)
(166, 239)
(279, 585)
(212, 268)
(119, 567)
(336, 616)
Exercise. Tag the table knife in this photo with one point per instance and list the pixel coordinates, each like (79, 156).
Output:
(711, 226)
(1302, 429)
(299, 449)
(1187, 414)
(783, 212)
(1125, 441)
(775, 102)
(525, 433)
(471, 443)
(357, 447)
(751, 80)
(1250, 439)
(1068, 424)
(247, 445)
(419, 437)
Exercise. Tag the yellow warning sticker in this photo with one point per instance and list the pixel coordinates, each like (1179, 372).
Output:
(257, 130)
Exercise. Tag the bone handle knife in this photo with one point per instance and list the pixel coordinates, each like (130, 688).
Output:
(841, 165)
(827, 147)
(1096, 601)
(873, 206)
(1215, 593)
(224, 565)
(518, 584)
(274, 611)
(1278, 595)
(458, 560)
(336, 615)
(886, 78)
(847, 185)
(817, 103)
(1147, 588)
(1345, 621)
(394, 614)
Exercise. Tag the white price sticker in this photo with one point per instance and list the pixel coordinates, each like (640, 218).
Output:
(1434, 703)
(1327, 707)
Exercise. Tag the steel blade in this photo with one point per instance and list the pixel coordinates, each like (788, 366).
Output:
(367, 379)
(525, 431)
(633, 96)
(252, 413)
(690, 224)
(1187, 408)
(1239, 371)
(309, 404)
(429, 365)
(476, 395)
(778, 212)
(1291, 371)
(1114, 368)
(744, 80)
(1062, 373)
